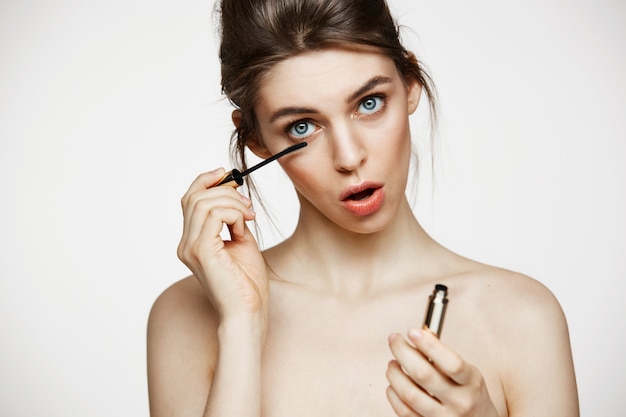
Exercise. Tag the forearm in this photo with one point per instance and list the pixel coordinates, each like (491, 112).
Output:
(236, 386)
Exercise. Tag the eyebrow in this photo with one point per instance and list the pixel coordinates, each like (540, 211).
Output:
(287, 111)
(370, 84)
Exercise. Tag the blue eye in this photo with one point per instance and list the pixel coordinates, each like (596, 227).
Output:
(301, 129)
(371, 104)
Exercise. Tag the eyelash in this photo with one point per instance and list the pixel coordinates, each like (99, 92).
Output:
(379, 96)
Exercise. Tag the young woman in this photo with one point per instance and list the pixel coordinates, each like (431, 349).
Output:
(327, 323)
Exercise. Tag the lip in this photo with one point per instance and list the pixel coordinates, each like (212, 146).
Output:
(366, 206)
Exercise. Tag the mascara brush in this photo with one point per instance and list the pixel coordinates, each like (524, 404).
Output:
(234, 178)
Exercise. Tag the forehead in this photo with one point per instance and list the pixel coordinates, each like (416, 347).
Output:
(322, 75)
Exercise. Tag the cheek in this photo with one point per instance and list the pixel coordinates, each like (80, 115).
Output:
(304, 174)
(396, 143)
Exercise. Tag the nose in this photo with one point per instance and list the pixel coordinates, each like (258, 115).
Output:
(348, 150)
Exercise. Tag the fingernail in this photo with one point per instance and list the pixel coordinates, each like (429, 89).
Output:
(392, 336)
(415, 334)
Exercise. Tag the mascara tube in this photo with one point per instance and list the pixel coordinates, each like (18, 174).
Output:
(437, 303)
(232, 178)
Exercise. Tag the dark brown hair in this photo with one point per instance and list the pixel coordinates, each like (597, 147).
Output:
(258, 34)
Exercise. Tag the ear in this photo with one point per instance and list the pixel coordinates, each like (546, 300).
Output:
(413, 87)
(254, 143)
(258, 148)
(414, 93)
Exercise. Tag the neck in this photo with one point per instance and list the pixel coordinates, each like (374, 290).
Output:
(353, 264)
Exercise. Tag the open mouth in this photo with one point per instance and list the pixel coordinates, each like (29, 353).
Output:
(364, 200)
(362, 195)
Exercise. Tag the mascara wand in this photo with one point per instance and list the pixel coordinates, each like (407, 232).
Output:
(234, 178)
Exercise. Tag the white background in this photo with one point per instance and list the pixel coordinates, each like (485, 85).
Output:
(108, 110)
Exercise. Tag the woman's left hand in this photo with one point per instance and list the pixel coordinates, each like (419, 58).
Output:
(427, 379)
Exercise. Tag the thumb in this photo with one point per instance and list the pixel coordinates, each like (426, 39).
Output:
(240, 232)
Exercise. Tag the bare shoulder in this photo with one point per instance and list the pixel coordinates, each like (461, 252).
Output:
(524, 321)
(183, 307)
(182, 346)
(514, 310)
(512, 300)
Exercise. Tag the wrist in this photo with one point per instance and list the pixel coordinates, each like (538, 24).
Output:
(242, 329)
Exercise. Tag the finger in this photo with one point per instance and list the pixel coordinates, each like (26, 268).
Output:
(206, 239)
(208, 242)
(242, 233)
(197, 189)
(203, 181)
(207, 180)
(399, 407)
(417, 366)
(207, 203)
(411, 395)
(218, 217)
(220, 195)
(202, 203)
(238, 231)
(445, 359)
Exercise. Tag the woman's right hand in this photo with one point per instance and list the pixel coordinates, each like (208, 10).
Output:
(232, 272)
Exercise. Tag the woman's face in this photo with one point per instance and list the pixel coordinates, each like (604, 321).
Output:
(352, 107)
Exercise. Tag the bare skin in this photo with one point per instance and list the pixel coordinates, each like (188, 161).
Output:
(328, 322)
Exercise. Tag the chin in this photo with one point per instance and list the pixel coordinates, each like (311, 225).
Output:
(368, 225)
